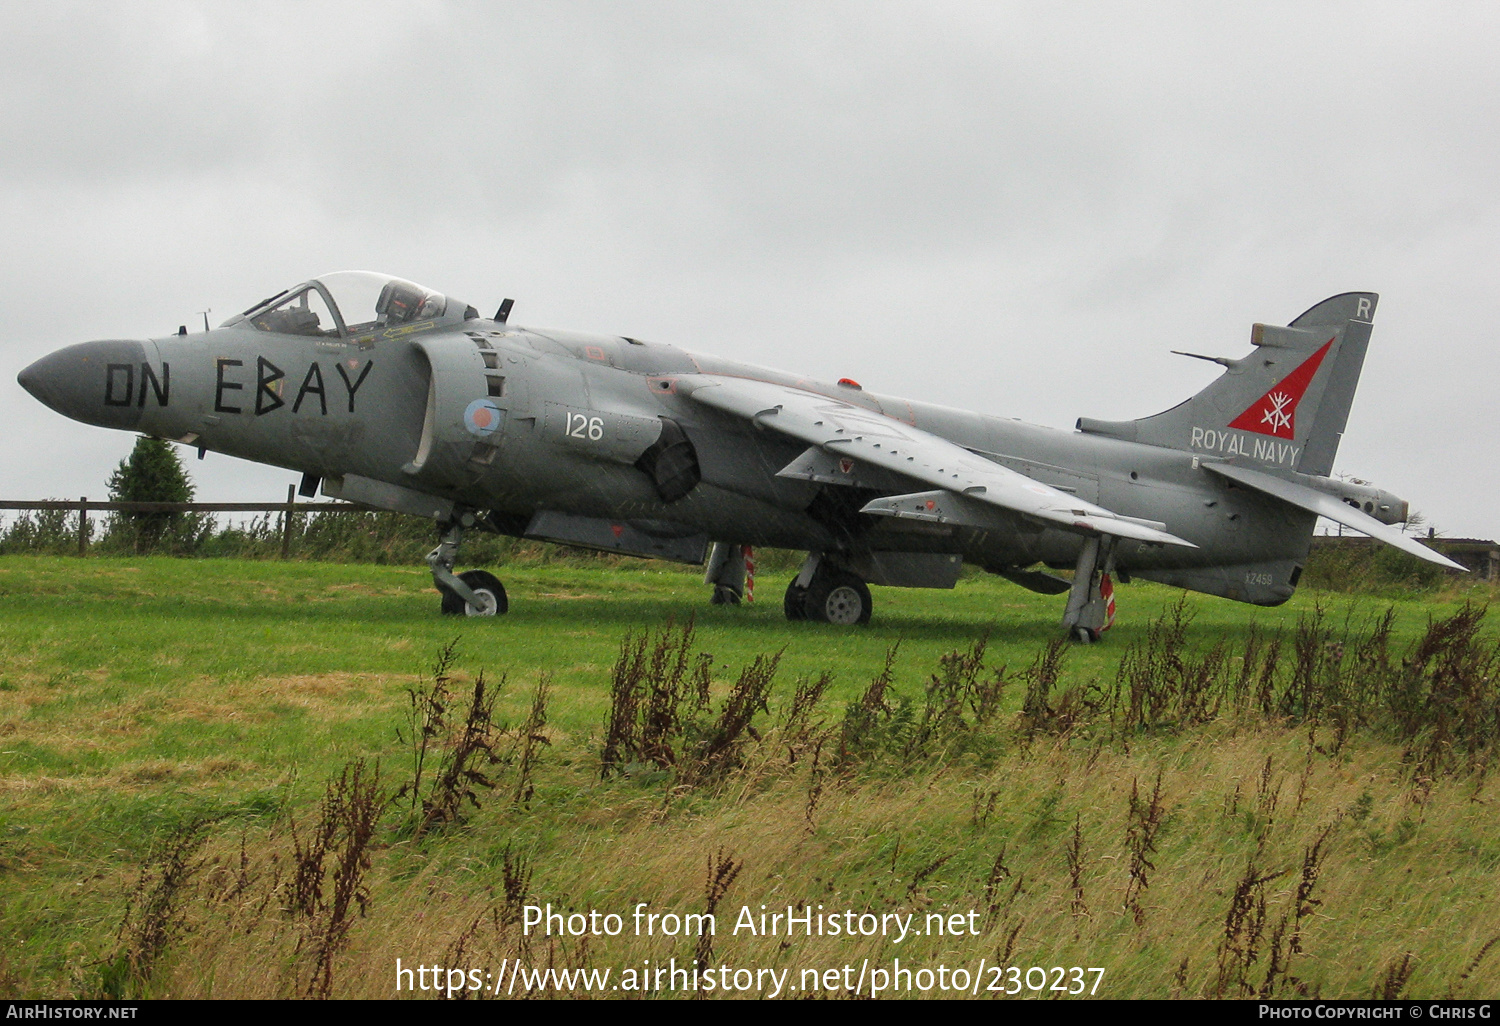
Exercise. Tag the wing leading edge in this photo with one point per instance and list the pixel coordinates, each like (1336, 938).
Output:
(975, 483)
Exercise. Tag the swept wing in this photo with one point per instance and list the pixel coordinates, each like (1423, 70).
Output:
(844, 429)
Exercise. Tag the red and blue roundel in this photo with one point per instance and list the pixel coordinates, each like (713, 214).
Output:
(482, 417)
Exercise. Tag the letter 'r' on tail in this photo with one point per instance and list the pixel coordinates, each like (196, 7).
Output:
(1284, 406)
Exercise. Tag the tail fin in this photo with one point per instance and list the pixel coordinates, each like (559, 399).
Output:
(1284, 406)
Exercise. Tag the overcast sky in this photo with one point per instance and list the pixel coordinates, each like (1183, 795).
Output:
(1013, 208)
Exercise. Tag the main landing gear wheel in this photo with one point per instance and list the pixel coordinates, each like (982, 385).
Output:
(839, 598)
(487, 589)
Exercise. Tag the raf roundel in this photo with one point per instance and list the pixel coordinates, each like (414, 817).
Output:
(482, 417)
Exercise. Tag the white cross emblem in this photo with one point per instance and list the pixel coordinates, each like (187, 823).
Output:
(1277, 416)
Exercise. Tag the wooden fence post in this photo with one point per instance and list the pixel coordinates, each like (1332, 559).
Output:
(83, 526)
(286, 521)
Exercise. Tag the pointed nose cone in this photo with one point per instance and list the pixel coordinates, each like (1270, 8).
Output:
(95, 382)
(31, 380)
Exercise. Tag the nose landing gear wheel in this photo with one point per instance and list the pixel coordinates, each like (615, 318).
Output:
(487, 588)
(838, 598)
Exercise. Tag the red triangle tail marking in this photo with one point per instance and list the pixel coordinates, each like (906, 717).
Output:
(1275, 413)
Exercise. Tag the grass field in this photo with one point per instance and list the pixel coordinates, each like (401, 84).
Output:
(173, 734)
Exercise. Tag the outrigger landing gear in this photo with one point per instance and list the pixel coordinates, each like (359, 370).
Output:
(471, 593)
(725, 570)
(827, 594)
(1091, 601)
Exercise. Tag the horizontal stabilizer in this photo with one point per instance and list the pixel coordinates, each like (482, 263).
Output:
(1329, 506)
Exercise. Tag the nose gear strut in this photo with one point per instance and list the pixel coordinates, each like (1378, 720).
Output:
(474, 592)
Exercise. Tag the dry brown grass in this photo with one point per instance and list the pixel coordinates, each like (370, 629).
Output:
(910, 845)
(1197, 832)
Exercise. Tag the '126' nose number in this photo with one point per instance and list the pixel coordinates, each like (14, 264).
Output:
(581, 426)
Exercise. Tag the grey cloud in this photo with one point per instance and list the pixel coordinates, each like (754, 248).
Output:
(1013, 207)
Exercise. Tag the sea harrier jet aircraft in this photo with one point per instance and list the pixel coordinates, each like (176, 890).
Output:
(399, 398)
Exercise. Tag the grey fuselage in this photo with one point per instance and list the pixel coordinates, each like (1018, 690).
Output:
(566, 427)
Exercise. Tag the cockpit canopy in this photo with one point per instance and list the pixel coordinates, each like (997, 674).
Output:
(347, 303)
